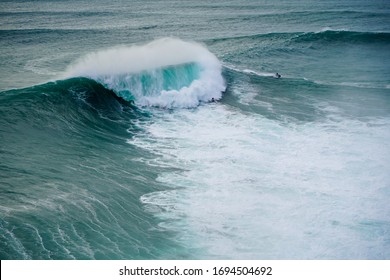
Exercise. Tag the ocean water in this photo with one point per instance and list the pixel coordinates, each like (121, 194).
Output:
(158, 130)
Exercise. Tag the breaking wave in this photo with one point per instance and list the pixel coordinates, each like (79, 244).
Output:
(167, 72)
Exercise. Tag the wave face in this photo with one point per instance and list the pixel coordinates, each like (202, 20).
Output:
(55, 138)
(167, 73)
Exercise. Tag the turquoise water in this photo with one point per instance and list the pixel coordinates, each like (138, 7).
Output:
(157, 130)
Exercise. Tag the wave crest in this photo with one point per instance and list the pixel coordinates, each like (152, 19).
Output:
(166, 73)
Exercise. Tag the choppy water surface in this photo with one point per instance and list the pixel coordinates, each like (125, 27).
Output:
(157, 130)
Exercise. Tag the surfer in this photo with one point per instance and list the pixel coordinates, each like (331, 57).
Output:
(277, 75)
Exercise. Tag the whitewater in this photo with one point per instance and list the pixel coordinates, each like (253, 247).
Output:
(160, 131)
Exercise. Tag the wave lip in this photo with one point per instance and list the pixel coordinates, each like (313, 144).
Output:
(167, 73)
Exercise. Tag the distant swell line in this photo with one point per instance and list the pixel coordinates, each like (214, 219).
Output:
(323, 35)
(344, 36)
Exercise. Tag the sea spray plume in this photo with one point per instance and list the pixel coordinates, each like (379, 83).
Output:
(167, 72)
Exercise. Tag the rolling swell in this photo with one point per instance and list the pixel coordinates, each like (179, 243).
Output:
(64, 152)
(343, 36)
(71, 101)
